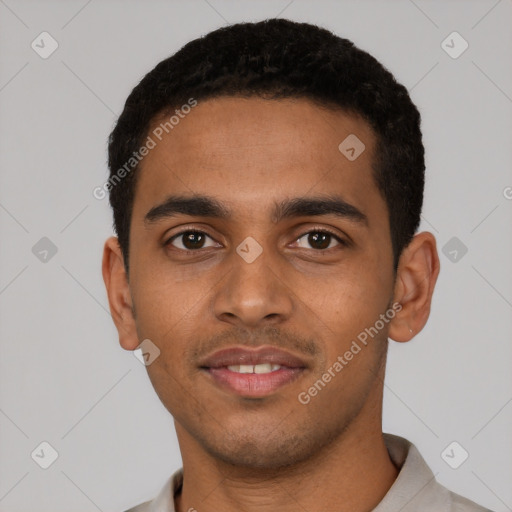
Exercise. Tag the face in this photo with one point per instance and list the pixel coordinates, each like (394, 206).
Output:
(261, 273)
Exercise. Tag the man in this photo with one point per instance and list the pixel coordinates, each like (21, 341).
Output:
(267, 184)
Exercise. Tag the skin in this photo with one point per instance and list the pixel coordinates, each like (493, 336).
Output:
(274, 452)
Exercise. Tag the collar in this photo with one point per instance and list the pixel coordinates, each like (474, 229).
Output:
(415, 487)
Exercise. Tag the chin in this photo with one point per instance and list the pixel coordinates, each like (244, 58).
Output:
(261, 452)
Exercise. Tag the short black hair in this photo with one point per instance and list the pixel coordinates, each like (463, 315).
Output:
(273, 59)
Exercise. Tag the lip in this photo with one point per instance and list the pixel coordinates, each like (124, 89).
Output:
(252, 385)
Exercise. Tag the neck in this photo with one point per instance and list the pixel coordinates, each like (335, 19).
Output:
(353, 474)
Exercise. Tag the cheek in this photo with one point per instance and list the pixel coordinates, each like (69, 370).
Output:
(162, 307)
(167, 314)
(171, 314)
(349, 303)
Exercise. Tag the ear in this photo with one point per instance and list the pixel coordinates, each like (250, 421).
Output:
(119, 296)
(417, 273)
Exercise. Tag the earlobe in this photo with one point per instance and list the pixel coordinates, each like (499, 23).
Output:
(118, 292)
(417, 274)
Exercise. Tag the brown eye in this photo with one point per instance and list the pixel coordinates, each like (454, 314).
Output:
(320, 240)
(189, 240)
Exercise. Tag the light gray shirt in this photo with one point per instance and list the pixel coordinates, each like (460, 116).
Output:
(414, 490)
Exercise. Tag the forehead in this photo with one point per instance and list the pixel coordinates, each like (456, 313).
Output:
(253, 152)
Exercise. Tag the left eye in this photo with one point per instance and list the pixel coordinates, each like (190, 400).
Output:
(320, 239)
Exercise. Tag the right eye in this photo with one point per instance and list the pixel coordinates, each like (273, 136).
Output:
(189, 240)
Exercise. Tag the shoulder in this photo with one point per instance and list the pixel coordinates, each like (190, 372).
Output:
(416, 488)
(461, 504)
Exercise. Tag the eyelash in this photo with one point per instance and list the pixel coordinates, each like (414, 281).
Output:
(342, 242)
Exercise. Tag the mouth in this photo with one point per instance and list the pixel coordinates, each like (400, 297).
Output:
(252, 373)
(255, 368)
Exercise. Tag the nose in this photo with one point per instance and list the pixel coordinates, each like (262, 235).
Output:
(254, 294)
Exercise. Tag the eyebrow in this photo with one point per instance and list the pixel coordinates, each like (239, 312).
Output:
(206, 206)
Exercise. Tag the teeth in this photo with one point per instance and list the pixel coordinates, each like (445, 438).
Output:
(262, 368)
(256, 368)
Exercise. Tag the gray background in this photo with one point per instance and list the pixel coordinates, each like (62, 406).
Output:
(65, 380)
